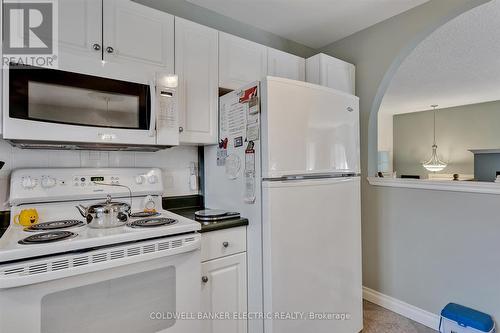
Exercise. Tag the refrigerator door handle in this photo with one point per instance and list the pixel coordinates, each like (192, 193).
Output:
(313, 176)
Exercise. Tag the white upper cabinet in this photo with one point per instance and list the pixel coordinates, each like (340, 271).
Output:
(331, 72)
(286, 65)
(80, 36)
(80, 27)
(197, 65)
(135, 41)
(134, 34)
(240, 61)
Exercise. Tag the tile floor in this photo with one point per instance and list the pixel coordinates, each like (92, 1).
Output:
(380, 320)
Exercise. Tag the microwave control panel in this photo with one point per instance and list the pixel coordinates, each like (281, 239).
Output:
(166, 115)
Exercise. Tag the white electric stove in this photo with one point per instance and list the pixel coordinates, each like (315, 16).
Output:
(46, 264)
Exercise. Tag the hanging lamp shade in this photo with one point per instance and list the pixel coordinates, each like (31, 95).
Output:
(434, 164)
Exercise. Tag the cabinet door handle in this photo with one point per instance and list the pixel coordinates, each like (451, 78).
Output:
(109, 49)
(225, 244)
(181, 129)
(204, 279)
(96, 47)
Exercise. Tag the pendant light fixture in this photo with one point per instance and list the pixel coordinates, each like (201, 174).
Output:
(434, 164)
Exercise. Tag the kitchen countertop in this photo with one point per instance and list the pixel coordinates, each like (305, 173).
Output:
(186, 206)
(189, 213)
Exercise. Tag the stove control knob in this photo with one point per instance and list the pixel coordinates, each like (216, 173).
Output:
(28, 183)
(153, 179)
(48, 182)
(139, 179)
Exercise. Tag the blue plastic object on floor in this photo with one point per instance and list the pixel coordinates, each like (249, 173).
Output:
(467, 317)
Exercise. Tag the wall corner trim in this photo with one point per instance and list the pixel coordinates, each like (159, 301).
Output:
(404, 309)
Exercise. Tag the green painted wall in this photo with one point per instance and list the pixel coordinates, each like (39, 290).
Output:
(423, 247)
(220, 22)
(458, 129)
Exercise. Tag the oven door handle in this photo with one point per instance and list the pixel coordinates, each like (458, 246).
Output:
(152, 113)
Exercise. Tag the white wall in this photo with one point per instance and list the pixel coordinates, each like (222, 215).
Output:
(174, 163)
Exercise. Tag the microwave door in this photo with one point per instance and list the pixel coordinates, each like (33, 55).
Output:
(54, 105)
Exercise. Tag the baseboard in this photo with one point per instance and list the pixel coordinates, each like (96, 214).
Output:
(406, 310)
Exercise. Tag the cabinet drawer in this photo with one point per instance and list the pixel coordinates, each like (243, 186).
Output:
(222, 243)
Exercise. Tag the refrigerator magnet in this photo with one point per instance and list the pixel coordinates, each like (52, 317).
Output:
(248, 94)
(250, 157)
(238, 141)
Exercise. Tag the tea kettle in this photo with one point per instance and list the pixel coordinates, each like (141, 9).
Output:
(106, 214)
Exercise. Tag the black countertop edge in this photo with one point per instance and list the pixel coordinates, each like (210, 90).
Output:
(185, 201)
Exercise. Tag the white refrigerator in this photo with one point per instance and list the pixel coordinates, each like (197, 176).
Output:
(300, 189)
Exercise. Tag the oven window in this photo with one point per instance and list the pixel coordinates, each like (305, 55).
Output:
(70, 98)
(123, 304)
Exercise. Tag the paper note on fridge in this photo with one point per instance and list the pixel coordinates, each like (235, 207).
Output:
(233, 120)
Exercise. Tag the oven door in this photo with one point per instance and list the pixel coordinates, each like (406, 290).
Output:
(43, 104)
(128, 294)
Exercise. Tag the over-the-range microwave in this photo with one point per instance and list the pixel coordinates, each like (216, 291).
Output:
(50, 108)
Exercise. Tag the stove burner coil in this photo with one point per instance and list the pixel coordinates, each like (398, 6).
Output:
(152, 222)
(55, 225)
(48, 237)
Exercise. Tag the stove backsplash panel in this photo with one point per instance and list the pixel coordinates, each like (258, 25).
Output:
(174, 162)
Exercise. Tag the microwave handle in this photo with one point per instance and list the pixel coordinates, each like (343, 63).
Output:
(152, 120)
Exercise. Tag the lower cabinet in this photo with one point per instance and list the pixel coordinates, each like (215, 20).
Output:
(224, 280)
(224, 291)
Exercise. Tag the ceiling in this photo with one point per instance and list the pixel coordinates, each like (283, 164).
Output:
(314, 23)
(459, 64)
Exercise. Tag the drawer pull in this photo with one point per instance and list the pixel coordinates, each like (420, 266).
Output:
(225, 244)
(204, 279)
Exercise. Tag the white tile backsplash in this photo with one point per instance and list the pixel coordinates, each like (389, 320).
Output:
(24, 158)
(5, 156)
(174, 163)
(4, 192)
(146, 159)
(121, 159)
(64, 159)
(94, 159)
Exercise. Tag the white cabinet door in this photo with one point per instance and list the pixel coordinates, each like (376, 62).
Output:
(331, 72)
(80, 27)
(138, 36)
(286, 65)
(80, 36)
(240, 61)
(224, 289)
(197, 65)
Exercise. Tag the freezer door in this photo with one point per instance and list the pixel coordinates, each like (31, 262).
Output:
(308, 129)
(312, 255)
